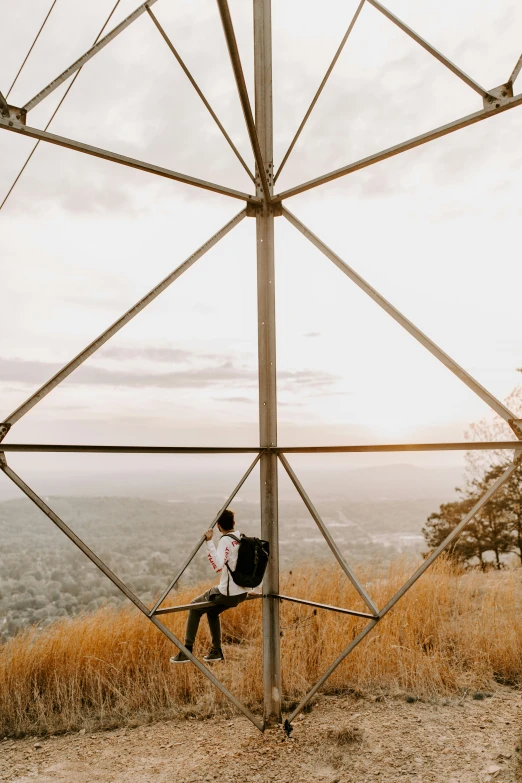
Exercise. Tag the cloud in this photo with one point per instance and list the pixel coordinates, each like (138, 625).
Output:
(150, 354)
(225, 373)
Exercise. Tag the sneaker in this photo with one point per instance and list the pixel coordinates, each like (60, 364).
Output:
(180, 658)
(214, 655)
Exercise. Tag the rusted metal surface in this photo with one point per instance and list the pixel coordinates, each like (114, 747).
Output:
(89, 54)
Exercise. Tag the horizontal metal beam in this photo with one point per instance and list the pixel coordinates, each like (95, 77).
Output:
(429, 48)
(80, 62)
(124, 589)
(325, 606)
(115, 327)
(235, 59)
(86, 449)
(392, 447)
(492, 445)
(320, 89)
(123, 160)
(328, 538)
(397, 316)
(416, 141)
(199, 544)
(199, 92)
(199, 605)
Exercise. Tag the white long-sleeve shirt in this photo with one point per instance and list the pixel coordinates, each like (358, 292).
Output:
(225, 552)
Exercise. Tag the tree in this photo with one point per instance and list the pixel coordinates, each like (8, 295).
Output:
(441, 524)
(497, 526)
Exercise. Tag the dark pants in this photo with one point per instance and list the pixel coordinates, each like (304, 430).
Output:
(221, 603)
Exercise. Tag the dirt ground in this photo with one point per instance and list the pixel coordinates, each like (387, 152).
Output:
(342, 740)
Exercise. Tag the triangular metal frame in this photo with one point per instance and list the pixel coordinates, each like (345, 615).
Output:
(264, 206)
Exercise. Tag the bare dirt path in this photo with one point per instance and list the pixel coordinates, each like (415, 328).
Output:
(342, 740)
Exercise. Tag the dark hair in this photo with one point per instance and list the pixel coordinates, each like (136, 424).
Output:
(226, 520)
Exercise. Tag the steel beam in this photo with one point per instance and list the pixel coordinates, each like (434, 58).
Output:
(199, 605)
(416, 141)
(198, 546)
(72, 448)
(516, 71)
(492, 445)
(266, 330)
(329, 607)
(425, 341)
(328, 538)
(429, 48)
(392, 447)
(449, 538)
(49, 12)
(366, 630)
(123, 588)
(320, 89)
(80, 62)
(199, 92)
(263, 164)
(4, 106)
(114, 157)
(120, 323)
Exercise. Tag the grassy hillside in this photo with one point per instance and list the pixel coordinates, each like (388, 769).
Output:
(452, 632)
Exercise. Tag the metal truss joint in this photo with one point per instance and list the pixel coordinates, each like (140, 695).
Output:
(498, 96)
(4, 429)
(516, 426)
(14, 114)
(260, 209)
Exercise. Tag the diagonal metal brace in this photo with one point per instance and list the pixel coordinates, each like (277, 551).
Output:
(495, 404)
(411, 581)
(199, 544)
(89, 54)
(120, 323)
(123, 588)
(328, 538)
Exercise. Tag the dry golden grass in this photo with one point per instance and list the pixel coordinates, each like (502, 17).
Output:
(450, 633)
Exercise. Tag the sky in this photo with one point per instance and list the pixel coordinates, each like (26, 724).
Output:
(434, 230)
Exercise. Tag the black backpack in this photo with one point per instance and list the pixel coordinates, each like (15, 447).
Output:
(252, 559)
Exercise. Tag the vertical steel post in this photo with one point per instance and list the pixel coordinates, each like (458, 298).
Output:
(267, 362)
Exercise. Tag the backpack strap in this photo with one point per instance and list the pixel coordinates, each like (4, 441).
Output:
(230, 535)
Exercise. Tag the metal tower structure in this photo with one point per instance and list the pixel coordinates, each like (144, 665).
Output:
(264, 206)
